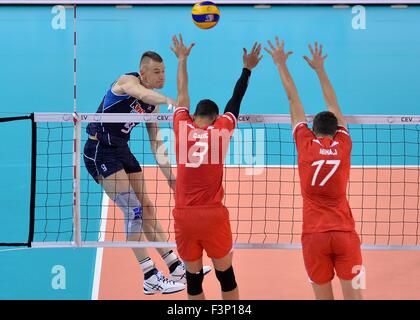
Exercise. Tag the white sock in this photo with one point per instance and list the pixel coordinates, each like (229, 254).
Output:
(147, 265)
(170, 258)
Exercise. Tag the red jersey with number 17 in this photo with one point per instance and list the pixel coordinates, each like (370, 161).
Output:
(200, 154)
(324, 169)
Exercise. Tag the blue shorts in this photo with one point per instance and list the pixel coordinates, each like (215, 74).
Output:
(104, 160)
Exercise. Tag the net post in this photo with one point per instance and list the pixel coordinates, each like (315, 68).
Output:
(33, 181)
(76, 181)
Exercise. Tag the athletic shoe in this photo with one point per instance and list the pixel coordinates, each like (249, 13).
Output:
(158, 283)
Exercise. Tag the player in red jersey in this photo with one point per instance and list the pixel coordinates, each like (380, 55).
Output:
(329, 240)
(202, 140)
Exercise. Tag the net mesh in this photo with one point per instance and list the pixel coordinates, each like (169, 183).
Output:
(261, 183)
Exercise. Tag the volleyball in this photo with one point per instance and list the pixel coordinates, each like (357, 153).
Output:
(205, 14)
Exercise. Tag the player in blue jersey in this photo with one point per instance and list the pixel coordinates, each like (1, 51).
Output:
(110, 162)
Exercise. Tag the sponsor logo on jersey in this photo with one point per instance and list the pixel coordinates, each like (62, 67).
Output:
(137, 107)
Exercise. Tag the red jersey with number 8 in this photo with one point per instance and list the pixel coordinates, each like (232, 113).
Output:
(324, 169)
(200, 154)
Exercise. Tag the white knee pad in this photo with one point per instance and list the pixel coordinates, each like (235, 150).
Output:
(133, 211)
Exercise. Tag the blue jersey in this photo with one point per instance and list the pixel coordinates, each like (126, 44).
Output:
(117, 134)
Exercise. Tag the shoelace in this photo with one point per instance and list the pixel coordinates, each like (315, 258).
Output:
(183, 266)
(162, 278)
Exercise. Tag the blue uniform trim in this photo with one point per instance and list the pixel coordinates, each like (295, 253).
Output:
(111, 98)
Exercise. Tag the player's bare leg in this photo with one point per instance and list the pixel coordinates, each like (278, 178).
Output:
(154, 231)
(113, 185)
(194, 267)
(349, 292)
(118, 185)
(222, 266)
(151, 226)
(323, 291)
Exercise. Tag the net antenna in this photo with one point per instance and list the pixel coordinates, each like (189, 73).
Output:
(76, 142)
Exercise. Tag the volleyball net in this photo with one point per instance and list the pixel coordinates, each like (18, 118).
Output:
(67, 208)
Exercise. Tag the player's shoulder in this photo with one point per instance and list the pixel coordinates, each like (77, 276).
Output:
(181, 114)
(342, 133)
(228, 115)
(181, 110)
(343, 129)
(133, 74)
(301, 127)
(127, 78)
(226, 119)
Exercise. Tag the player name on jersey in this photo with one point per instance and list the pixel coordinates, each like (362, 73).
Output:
(328, 152)
(204, 135)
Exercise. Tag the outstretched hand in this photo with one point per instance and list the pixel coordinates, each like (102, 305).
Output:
(253, 58)
(277, 52)
(317, 61)
(178, 47)
(172, 104)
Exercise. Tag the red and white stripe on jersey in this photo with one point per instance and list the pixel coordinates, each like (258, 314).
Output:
(303, 135)
(225, 121)
(181, 109)
(231, 117)
(343, 129)
(181, 114)
(342, 135)
(296, 126)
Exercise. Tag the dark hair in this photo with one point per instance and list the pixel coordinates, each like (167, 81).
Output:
(206, 108)
(325, 123)
(151, 55)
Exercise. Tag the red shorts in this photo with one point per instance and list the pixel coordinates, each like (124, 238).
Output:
(325, 252)
(202, 228)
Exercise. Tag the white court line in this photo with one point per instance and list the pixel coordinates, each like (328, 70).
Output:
(14, 249)
(99, 251)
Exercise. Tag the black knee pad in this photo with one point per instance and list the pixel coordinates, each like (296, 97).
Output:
(195, 283)
(226, 279)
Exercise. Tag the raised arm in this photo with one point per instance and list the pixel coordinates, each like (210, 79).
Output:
(160, 152)
(279, 56)
(182, 53)
(250, 62)
(317, 63)
(131, 85)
